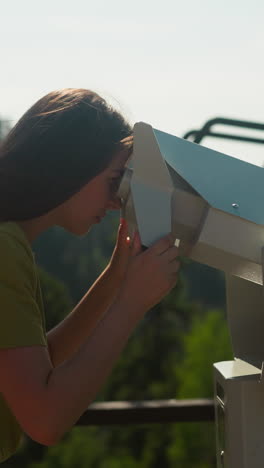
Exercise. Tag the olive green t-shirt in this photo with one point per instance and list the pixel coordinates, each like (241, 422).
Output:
(22, 320)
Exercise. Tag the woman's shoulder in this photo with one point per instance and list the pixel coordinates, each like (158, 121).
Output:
(15, 251)
(11, 235)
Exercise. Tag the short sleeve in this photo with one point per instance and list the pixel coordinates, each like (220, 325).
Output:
(21, 321)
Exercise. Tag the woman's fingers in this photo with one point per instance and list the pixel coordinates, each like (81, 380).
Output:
(123, 239)
(171, 254)
(121, 251)
(163, 244)
(136, 247)
(154, 271)
(174, 266)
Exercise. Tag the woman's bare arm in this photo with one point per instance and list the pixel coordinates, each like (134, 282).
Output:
(47, 401)
(66, 338)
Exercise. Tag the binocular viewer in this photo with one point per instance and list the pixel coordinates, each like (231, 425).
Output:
(211, 202)
(213, 205)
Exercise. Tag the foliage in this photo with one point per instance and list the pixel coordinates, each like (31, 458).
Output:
(77, 261)
(56, 298)
(207, 342)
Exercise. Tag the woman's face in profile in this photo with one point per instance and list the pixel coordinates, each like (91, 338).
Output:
(91, 203)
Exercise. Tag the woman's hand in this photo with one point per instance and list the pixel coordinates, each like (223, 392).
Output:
(124, 249)
(150, 274)
(144, 278)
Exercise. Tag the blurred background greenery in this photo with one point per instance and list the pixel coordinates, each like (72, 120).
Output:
(170, 355)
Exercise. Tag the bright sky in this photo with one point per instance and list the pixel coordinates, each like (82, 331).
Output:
(173, 64)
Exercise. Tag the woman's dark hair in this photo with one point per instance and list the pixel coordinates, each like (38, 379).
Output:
(64, 140)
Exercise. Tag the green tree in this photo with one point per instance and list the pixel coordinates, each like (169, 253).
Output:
(77, 261)
(56, 298)
(207, 342)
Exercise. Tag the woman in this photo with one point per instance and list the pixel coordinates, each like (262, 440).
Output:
(61, 165)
